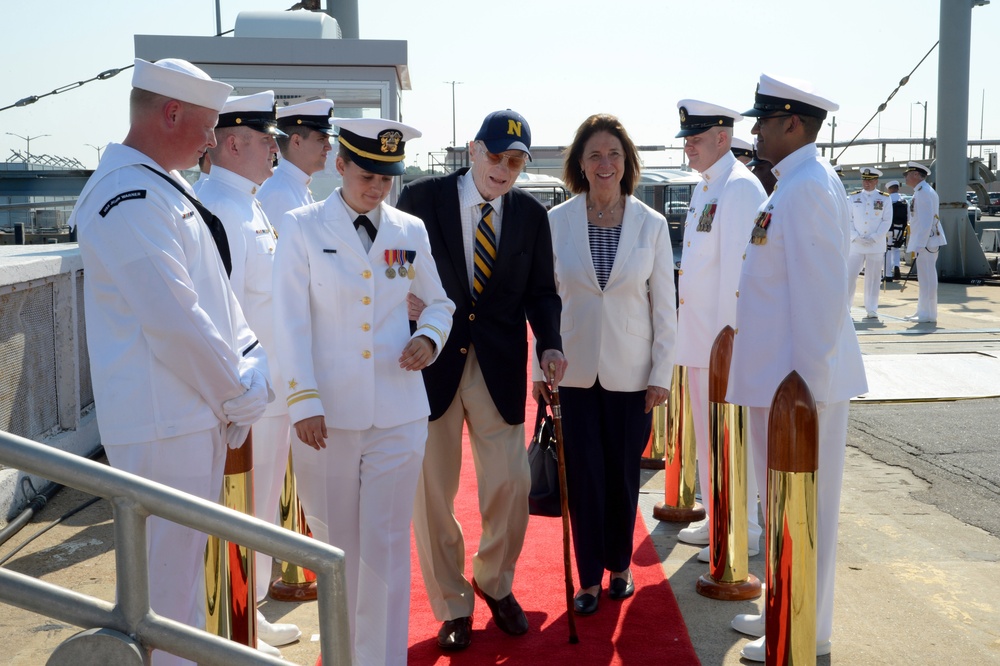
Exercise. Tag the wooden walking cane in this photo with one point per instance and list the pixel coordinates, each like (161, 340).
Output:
(563, 500)
(913, 264)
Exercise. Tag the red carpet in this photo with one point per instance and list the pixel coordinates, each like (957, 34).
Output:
(644, 629)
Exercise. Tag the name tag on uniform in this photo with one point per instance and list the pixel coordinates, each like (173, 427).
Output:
(328, 250)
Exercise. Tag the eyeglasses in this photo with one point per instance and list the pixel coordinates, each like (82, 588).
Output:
(760, 121)
(513, 162)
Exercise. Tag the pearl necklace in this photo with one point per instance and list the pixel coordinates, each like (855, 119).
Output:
(609, 211)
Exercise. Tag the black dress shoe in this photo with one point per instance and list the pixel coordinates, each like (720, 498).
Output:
(455, 634)
(621, 588)
(507, 612)
(586, 604)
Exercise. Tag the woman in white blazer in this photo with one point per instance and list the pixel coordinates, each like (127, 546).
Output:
(614, 272)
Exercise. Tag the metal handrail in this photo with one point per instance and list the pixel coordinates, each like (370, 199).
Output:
(133, 499)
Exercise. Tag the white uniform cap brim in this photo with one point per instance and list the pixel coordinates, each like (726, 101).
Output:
(180, 80)
(370, 127)
(795, 89)
(741, 144)
(315, 107)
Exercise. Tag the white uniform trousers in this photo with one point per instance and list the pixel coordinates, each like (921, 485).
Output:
(927, 277)
(503, 480)
(270, 460)
(891, 261)
(357, 495)
(176, 554)
(698, 386)
(829, 478)
(873, 274)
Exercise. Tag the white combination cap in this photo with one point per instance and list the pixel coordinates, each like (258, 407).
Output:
(178, 79)
(697, 117)
(916, 166)
(870, 173)
(314, 114)
(255, 111)
(892, 183)
(376, 144)
(775, 96)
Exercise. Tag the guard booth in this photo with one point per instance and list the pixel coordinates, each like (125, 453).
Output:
(300, 55)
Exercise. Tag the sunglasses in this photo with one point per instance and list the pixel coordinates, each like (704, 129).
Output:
(513, 162)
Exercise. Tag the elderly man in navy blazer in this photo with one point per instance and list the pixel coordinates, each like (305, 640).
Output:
(493, 252)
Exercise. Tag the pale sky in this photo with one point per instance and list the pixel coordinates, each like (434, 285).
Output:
(554, 61)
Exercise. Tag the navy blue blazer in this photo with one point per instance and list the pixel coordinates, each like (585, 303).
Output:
(521, 287)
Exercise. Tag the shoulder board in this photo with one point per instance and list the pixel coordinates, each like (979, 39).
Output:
(855, 192)
(885, 194)
(118, 198)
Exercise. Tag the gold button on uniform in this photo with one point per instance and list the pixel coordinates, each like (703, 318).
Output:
(682, 301)
(689, 243)
(472, 317)
(463, 350)
(736, 331)
(737, 293)
(366, 300)
(680, 271)
(366, 327)
(366, 354)
(744, 256)
(367, 274)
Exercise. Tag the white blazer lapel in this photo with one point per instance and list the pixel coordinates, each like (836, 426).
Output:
(632, 221)
(339, 223)
(578, 231)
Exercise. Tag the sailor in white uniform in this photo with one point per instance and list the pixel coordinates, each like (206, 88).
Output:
(742, 150)
(926, 239)
(241, 162)
(717, 229)
(343, 271)
(171, 356)
(871, 217)
(304, 151)
(792, 313)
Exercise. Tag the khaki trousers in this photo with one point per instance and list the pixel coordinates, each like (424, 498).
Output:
(500, 457)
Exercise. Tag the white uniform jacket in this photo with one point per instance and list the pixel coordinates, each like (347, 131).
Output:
(625, 333)
(251, 246)
(716, 232)
(166, 335)
(286, 190)
(342, 322)
(871, 217)
(925, 224)
(792, 310)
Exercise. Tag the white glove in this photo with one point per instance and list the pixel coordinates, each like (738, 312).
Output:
(236, 435)
(249, 407)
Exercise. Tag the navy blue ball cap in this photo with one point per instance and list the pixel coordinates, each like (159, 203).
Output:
(505, 130)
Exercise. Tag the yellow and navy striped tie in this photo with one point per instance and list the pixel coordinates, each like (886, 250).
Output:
(485, 251)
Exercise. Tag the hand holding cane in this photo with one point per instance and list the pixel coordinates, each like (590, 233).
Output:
(563, 498)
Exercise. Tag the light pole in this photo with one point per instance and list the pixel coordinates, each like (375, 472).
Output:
(98, 149)
(833, 134)
(28, 139)
(453, 84)
(909, 155)
(923, 146)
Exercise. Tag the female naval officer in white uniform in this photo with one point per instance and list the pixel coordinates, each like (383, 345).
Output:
(343, 269)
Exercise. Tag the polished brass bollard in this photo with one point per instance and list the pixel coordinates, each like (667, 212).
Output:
(729, 576)
(231, 606)
(792, 460)
(678, 505)
(295, 583)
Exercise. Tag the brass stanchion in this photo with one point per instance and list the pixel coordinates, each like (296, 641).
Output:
(792, 460)
(229, 567)
(296, 583)
(729, 576)
(680, 452)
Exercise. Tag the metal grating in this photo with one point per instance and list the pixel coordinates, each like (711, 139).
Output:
(86, 388)
(28, 398)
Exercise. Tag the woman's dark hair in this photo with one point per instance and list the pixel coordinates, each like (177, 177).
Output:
(573, 175)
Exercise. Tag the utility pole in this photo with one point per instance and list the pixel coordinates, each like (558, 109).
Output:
(28, 139)
(833, 134)
(453, 133)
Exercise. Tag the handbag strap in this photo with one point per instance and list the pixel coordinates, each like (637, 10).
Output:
(541, 409)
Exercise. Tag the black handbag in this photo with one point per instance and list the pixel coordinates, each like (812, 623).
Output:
(544, 498)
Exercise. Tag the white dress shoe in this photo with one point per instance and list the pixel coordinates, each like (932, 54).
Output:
(696, 534)
(751, 625)
(268, 650)
(704, 556)
(276, 634)
(755, 650)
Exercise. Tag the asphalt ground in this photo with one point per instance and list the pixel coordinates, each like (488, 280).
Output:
(918, 577)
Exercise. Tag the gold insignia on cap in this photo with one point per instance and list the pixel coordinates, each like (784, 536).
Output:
(239, 121)
(389, 140)
(721, 121)
(788, 107)
(298, 122)
(684, 114)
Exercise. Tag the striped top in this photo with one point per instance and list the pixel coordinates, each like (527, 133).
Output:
(603, 247)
